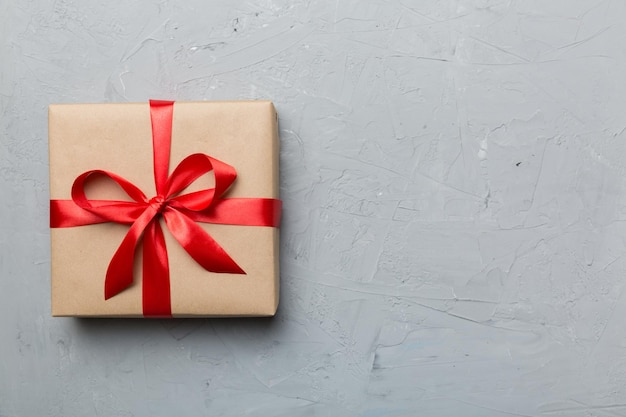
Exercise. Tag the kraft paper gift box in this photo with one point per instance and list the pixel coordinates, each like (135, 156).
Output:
(118, 138)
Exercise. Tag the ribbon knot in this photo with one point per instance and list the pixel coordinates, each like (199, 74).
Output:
(158, 203)
(179, 211)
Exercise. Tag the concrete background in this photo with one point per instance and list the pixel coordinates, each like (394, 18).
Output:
(455, 208)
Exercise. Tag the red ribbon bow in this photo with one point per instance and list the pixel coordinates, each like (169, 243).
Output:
(180, 212)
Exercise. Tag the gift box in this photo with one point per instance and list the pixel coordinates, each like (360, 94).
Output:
(164, 209)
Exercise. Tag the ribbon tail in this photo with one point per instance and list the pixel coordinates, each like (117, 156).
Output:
(156, 273)
(202, 247)
(119, 274)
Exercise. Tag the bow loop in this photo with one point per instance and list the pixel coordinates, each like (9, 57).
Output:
(119, 211)
(189, 170)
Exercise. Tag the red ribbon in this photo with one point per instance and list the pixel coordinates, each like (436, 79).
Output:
(180, 212)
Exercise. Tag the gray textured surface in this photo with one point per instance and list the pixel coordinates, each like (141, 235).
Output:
(455, 208)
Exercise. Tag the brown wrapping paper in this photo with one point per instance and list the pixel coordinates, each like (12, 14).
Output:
(118, 138)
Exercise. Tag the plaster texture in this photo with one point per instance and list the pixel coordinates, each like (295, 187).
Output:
(454, 208)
